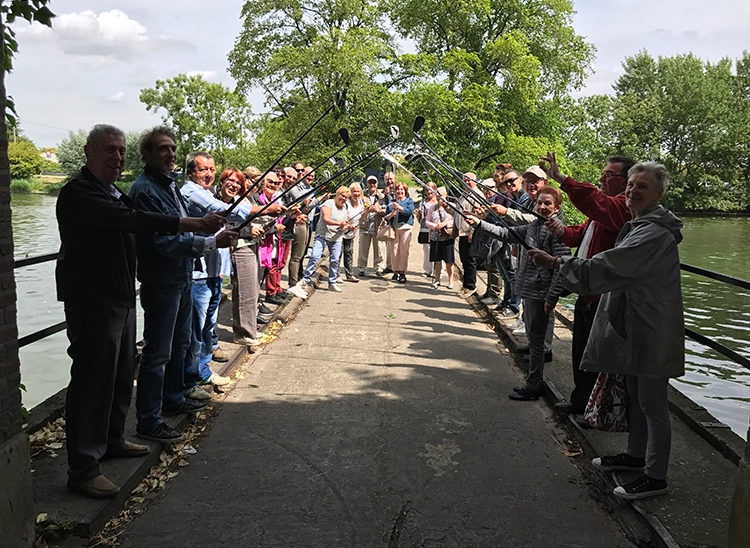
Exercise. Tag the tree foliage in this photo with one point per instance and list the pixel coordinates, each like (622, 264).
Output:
(70, 152)
(692, 115)
(204, 115)
(483, 70)
(25, 159)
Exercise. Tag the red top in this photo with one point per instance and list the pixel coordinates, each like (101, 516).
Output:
(609, 214)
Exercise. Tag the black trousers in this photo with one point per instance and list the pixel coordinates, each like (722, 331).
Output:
(583, 319)
(102, 346)
(468, 263)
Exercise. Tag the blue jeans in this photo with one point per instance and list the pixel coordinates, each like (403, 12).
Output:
(510, 299)
(334, 252)
(167, 315)
(206, 298)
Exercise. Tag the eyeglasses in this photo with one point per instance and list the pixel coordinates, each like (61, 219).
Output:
(300, 170)
(510, 181)
(609, 175)
(233, 181)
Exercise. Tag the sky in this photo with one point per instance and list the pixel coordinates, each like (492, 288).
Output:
(90, 67)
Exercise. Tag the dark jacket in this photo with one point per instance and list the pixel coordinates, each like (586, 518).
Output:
(163, 259)
(96, 262)
(532, 281)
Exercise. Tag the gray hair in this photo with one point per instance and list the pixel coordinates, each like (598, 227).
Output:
(190, 160)
(660, 173)
(100, 130)
(146, 142)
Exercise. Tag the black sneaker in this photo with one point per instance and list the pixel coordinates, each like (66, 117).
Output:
(387, 270)
(394, 278)
(641, 488)
(275, 299)
(262, 320)
(402, 279)
(623, 461)
(264, 310)
(188, 406)
(161, 432)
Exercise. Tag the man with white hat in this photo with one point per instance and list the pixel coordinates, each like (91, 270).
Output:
(368, 228)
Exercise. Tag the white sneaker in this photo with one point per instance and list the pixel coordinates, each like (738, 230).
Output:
(489, 301)
(519, 330)
(334, 287)
(297, 291)
(247, 341)
(218, 380)
(450, 286)
(197, 393)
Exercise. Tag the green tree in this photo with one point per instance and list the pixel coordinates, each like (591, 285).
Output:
(693, 116)
(204, 115)
(133, 163)
(301, 53)
(25, 159)
(70, 152)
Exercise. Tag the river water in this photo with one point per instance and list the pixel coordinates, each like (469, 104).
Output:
(712, 308)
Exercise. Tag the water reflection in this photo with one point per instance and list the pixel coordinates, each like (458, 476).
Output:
(44, 364)
(719, 311)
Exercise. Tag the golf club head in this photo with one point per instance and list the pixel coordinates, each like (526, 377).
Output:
(418, 123)
(381, 142)
(332, 160)
(394, 132)
(340, 162)
(326, 174)
(338, 99)
(344, 134)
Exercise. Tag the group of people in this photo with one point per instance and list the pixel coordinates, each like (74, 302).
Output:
(628, 316)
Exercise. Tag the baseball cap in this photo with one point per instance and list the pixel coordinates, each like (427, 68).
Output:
(536, 170)
(372, 178)
(489, 183)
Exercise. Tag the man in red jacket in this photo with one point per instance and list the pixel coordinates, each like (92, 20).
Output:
(607, 214)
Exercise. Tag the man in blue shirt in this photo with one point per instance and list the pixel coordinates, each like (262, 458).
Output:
(165, 267)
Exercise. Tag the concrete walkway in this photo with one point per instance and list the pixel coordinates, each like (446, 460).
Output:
(379, 417)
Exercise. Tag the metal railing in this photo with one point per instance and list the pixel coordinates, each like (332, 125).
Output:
(47, 331)
(697, 337)
(708, 341)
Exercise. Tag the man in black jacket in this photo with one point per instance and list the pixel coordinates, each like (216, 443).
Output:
(96, 282)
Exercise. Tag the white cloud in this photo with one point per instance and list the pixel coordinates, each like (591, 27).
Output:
(111, 34)
(116, 98)
(208, 75)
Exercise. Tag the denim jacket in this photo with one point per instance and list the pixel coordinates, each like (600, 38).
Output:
(163, 259)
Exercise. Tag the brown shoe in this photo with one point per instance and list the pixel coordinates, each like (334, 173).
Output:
(128, 450)
(98, 487)
(220, 356)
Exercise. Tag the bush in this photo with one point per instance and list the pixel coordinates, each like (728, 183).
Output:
(25, 160)
(21, 186)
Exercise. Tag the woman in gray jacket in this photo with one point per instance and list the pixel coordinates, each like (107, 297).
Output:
(638, 329)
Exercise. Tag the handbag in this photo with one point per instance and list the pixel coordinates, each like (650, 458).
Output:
(607, 408)
(385, 231)
(448, 233)
(423, 238)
